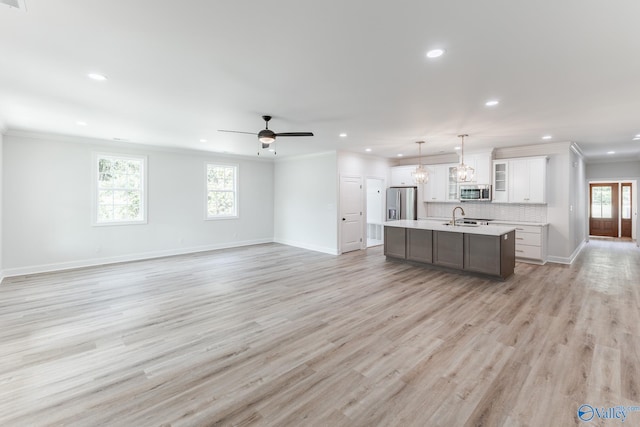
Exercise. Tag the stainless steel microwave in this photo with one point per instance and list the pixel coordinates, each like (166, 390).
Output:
(475, 192)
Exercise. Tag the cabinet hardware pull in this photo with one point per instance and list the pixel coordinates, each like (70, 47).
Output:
(519, 238)
(519, 251)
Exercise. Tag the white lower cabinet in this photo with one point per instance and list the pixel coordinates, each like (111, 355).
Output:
(531, 242)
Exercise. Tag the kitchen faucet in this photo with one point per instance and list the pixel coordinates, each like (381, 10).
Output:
(453, 214)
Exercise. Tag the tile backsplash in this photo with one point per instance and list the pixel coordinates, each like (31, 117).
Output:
(501, 211)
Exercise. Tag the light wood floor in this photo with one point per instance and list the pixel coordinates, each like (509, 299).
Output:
(279, 336)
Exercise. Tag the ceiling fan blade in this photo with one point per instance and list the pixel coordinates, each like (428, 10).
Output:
(295, 134)
(237, 131)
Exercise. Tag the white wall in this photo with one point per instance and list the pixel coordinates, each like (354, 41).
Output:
(47, 206)
(306, 202)
(1, 197)
(560, 248)
(617, 171)
(578, 212)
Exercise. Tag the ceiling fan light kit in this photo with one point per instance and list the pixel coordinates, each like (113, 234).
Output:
(266, 136)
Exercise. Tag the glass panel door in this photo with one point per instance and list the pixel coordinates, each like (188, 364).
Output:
(626, 202)
(603, 212)
(452, 184)
(601, 202)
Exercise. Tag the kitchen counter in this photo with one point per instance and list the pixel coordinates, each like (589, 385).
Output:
(485, 249)
(442, 225)
(493, 221)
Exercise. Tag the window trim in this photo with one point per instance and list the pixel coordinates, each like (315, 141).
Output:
(96, 156)
(236, 187)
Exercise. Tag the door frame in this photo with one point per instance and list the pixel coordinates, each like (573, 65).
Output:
(383, 180)
(622, 185)
(634, 204)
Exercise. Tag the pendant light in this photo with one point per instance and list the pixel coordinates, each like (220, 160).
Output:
(420, 175)
(464, 173)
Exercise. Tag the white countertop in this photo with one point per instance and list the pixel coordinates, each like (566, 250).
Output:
(440, 225)
(493, 221)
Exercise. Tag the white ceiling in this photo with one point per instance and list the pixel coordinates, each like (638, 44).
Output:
(179, 71)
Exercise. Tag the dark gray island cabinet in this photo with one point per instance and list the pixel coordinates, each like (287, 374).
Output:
(487, 250)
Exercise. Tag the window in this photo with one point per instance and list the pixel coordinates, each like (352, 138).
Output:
(601, 202)
(626, 201)
(120, 189)
(222, 191)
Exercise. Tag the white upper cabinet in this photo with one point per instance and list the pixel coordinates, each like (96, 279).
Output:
(500, 180)
(522, 180)
(481, 162)
(442, 185)
(537, 169)
(435, 190)
(452, 183)
(402, 175)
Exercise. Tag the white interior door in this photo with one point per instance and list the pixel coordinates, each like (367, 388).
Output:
(350, 213)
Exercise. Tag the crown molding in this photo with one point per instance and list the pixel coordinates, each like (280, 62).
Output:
(533, 150)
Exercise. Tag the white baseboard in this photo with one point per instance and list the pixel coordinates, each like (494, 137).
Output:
(45, 268)
(330, 251)
(569, 260)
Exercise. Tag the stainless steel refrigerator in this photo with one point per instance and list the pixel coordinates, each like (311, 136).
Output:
(402, 203)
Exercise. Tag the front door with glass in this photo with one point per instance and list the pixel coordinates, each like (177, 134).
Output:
(603, 212)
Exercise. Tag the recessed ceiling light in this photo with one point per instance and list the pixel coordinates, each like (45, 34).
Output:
(343, 135)
(368, 150)
(81, 123)
(203, 140)
(96, 76)
(400, 155)
(547, 137)
(435, 53)
(611, 152)
(637, 138)
(492, 103)
(456, 148)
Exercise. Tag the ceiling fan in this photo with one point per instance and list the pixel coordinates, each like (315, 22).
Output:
(266, 136)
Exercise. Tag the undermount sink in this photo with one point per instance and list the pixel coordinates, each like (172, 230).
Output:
(462, 225)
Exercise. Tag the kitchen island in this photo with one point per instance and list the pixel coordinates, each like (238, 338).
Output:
(475, 248)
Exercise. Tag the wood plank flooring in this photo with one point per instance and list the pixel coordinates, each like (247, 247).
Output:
(272, 335)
